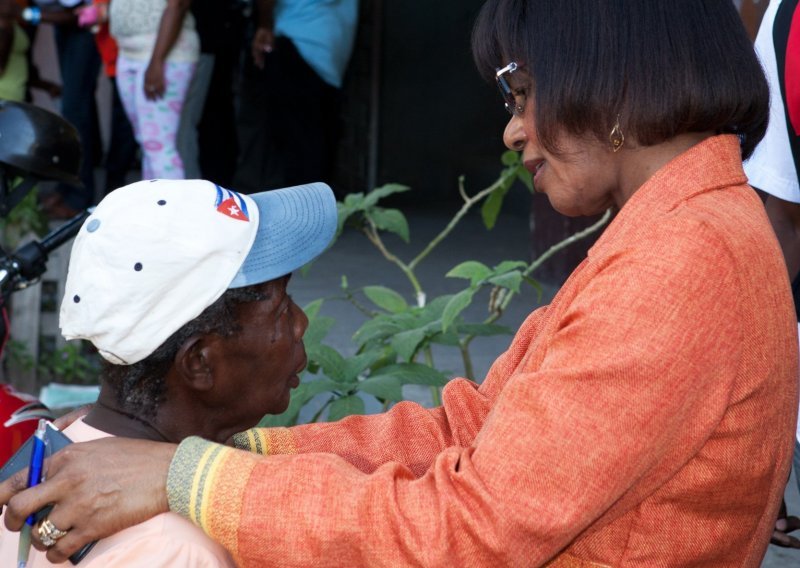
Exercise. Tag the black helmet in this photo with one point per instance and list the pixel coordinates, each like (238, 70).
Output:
(36, 142)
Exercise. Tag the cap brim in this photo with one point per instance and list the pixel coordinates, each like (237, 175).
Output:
(295, 225)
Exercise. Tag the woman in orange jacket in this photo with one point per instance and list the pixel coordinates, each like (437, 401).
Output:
(644, 418)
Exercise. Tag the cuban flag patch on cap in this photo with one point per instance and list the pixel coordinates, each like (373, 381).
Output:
(231, 204)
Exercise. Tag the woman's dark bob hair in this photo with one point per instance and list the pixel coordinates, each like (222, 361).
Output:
(664, 67)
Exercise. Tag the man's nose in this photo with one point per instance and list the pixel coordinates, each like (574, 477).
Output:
(300, 321)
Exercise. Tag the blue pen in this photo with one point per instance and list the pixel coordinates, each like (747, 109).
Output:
(34, 478)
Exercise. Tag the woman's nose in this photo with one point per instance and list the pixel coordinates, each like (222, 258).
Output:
(514, 134)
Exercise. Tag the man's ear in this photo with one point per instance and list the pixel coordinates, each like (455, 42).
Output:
(194, 362)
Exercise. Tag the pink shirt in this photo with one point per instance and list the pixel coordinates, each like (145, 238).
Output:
(164, 541)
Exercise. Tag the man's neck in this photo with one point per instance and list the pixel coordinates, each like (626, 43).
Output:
(106, 415)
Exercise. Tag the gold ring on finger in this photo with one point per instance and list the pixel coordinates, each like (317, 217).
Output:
(49, 534)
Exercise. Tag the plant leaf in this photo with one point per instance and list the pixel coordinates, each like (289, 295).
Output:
(455, 306)
(345, 406)
(526, 178)
(472, 270)
(345, 210)
(405, 343)
(391, 220)
(354, 366)
(376, 328)
(484, 329)
(490, 209)
(318, 329)
(510, 280)
(509, 265)
(510, 158)
(380, 192)
(413, 374)
(300, 397)
(312, 309)
(384, 387)
(386, 298)
(331, 362)
(450, 338)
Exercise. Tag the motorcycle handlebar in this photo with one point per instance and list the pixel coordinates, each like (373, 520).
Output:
(65, 232)
(29, 262)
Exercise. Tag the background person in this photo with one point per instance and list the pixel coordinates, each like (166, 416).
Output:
(212, 374)
(612, 430)
(122, 146)
(290, 103)
(158, 51)
(773, 167)
(79, 62)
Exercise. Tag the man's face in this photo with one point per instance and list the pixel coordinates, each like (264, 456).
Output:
(261, 362)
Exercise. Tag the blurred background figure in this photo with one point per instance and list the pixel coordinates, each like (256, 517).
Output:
(158, 50)
(773, 167)
(208, 113)
(290, 95)
(122, 146)
(14, 48)
(79, 62)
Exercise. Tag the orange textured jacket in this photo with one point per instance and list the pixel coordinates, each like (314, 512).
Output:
(644, 418)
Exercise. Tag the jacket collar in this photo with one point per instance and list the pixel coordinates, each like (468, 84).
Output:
(709, 165)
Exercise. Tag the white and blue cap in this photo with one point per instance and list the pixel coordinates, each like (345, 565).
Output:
(154, 254)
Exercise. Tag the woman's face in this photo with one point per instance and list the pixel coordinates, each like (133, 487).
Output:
(582, 180)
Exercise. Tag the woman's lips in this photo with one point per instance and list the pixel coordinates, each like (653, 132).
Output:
(535, 167)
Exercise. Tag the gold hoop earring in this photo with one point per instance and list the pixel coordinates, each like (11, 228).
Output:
(616, 138)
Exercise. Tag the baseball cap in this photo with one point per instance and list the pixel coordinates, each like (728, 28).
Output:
(154, 254)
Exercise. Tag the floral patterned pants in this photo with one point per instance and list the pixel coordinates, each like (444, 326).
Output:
(155, 123)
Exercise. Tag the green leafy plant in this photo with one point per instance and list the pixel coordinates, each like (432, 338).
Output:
(394, 347)
(24, 219)
(70, 364)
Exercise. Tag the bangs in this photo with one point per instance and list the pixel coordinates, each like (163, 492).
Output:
(660, 68)
(500, 36)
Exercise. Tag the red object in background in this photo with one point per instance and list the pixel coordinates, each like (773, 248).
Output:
(106, 44)
(19, 416)
(792, 72)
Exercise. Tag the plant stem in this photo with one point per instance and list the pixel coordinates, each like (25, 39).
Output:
(469, 202)
(321, 410)
(464, 343)
(375, 238)
(557, 247)
(469, 371)
(357, 305)
(436, 395)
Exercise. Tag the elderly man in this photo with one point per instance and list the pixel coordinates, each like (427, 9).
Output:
(181, 286)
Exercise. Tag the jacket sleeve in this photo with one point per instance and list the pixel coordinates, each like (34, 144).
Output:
(370, 441)
(646, 352)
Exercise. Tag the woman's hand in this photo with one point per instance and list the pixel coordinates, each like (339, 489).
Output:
(63, 421)
(154, 83)
(97, 488)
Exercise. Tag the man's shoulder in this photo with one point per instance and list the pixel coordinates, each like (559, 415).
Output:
(165, 540)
